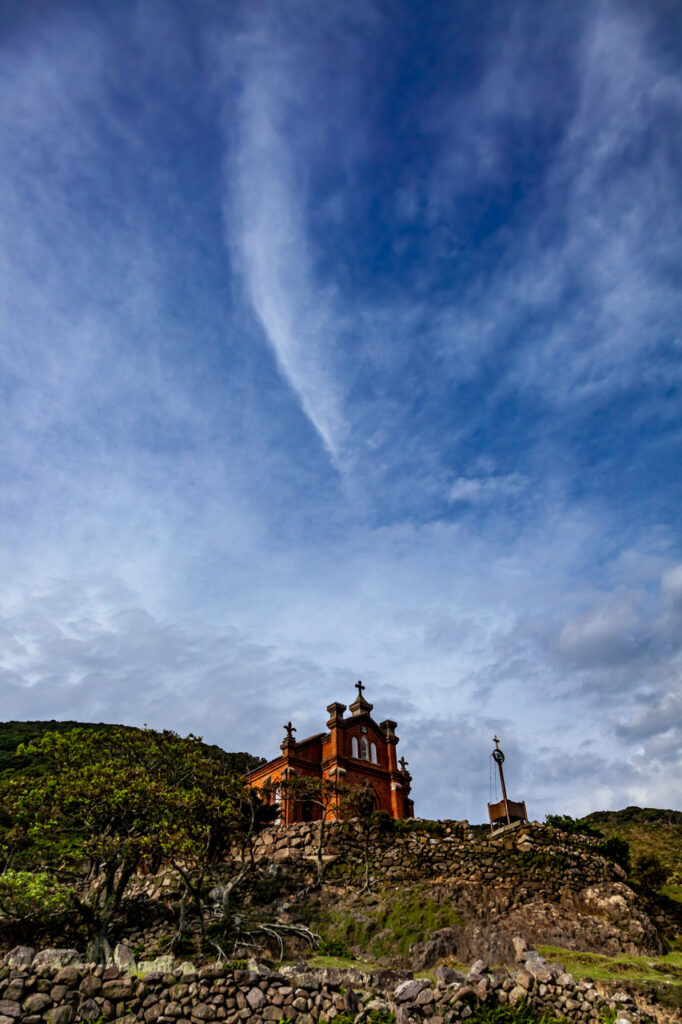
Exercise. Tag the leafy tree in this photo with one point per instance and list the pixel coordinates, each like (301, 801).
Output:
(649, 872)
(573, 826)
(617, 850)
(31, 897)
(94, 807)
(322, 796)
(359, 802)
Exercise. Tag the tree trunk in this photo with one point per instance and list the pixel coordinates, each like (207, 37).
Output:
(182, 923)
(320, 843)
(99, 950)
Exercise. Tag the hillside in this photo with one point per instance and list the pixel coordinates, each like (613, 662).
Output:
(407, 896)
(648, 830)
(12, 734)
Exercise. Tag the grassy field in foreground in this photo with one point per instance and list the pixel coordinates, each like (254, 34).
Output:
(664, 973)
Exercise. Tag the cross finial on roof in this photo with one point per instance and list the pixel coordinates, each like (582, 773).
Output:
(360, 687)
(496, 742)
(403, 764)
(290, 730)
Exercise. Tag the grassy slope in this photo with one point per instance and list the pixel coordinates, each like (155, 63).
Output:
(648, 830)
(14, 733)
(380, 925)
(660, 973)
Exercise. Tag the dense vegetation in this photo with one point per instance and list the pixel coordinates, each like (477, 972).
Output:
(14, 734)
(84, 807)
(653, 835)
(87, 808)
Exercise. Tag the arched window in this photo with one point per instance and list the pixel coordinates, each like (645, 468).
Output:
(374, 753)
(364, 749)
(354, 747)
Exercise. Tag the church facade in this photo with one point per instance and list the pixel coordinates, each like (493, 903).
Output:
(355, 751)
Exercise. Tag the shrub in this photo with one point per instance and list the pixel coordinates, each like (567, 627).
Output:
(574, 827)
(649, 873)
(333, 947)
(31, 896)
(617, 850)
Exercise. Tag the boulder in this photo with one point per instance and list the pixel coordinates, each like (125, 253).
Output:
(202, 1011)
(402, 1014)
(120, 988)
(440, 945)
(20, 956)
(525, 979)
(161, 964)
(255, 998)
(124, 959)
(408, 991)
(377, 1004)
(57, 958)
(60, 1015)
(36, 1003)
(521, 948)
(517, 995)
(67, 976)
(90, 986)
(448, 976)
(89, 1010)
(462, 993)
(351, 1003)
(386, 980)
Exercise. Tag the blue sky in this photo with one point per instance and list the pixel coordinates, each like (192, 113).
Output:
(342, 341)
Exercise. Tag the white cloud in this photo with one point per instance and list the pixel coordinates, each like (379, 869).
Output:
(671, 584)
(264, 213)
(486, 488)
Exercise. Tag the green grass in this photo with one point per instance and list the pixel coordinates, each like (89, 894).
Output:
(673, 891)
(387, 926)
(664, 973)
(344, 963)
(495, 1013)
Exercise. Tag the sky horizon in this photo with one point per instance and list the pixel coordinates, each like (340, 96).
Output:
(342, 342)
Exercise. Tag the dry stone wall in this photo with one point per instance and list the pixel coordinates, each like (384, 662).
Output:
(54, 987)
(533, 855)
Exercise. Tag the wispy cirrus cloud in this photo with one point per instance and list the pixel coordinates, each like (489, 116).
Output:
(486, 488)
(265, 216)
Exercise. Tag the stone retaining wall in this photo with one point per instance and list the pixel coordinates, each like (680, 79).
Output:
(47, 989)
(533, 855)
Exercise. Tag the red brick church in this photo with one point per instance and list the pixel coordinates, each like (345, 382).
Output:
(356, 750)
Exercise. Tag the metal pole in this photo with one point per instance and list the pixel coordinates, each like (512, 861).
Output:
(504, 794)
(498, 760)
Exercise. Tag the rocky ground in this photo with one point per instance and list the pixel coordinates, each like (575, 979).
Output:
(56, 987)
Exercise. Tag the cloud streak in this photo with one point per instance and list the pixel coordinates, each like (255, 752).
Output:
(266, 229)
